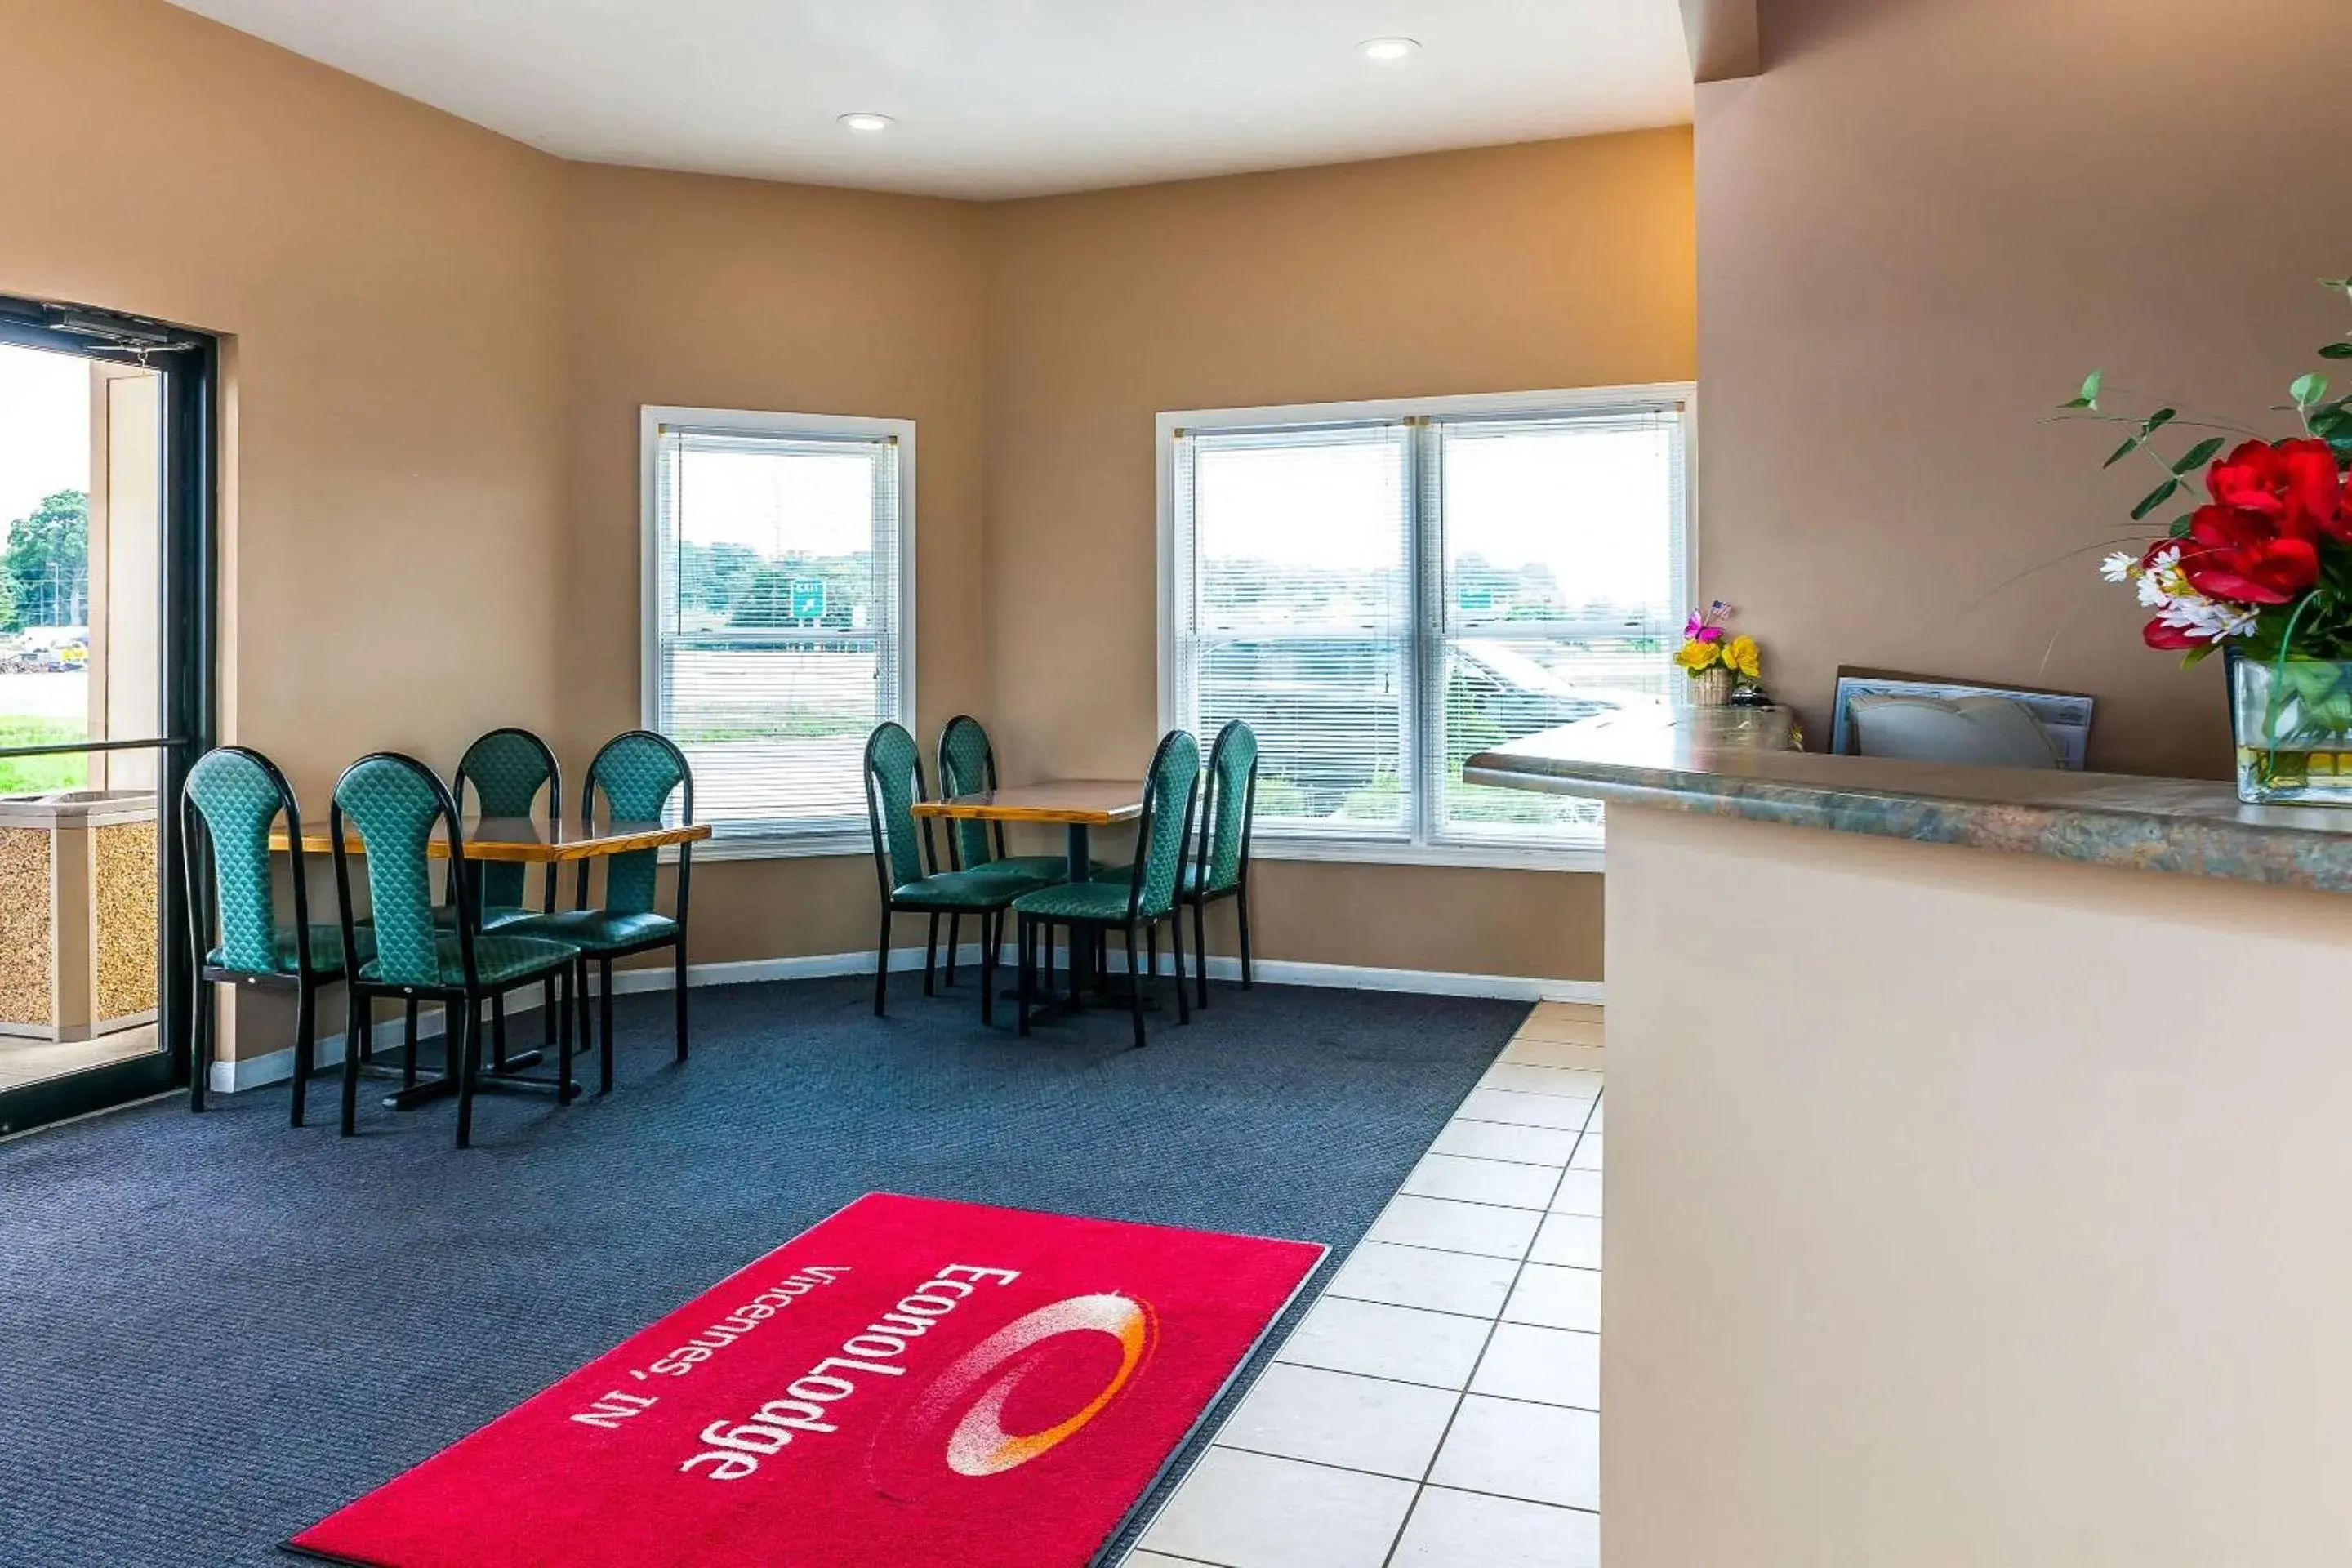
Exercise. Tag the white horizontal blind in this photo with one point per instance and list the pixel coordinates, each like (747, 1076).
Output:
(1384, 598)
(1557, 540)
(1295, 613)
(776, 620)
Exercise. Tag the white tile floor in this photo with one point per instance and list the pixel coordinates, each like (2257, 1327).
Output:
(1439, 1406)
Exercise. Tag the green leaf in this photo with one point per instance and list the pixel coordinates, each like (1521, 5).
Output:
(2343, 283)
(2158, 420)
(2125, 451)
(2199, 455)
(2336, 350)
(2156, 498)
(2181, 525)
(2308, 390)
(2089, 396)
(2197, 655)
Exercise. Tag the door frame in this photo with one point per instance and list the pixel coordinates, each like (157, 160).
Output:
(190, 361)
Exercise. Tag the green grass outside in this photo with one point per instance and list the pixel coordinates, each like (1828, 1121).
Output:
(33, 775)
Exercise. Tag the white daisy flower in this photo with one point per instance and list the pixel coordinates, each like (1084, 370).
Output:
(2118, 567)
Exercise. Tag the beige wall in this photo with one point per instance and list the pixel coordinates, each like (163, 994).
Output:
(390, 281)
(389, 275)
(1562, 264)
(734, 294)
(1917, 230)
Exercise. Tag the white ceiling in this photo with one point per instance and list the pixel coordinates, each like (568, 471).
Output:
(1001, 97)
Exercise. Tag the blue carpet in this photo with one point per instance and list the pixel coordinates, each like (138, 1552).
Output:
(214, 1330)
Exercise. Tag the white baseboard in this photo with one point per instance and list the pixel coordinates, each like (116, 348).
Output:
(277, 1067)
(1273, 971)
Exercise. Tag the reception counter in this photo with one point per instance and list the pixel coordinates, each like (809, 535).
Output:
(1979, 1184)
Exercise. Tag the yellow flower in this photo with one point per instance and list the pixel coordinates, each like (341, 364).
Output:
(1696, 656)
(1744, 657)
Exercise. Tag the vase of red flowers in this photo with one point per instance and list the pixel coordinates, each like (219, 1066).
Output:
(2261, 569)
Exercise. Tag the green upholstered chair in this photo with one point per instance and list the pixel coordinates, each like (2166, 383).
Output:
(1135, 907)
(1221, 869)
(634, 773)
(968, 766)
(907, 870)
(504, 772)
(393, 804)
(231, 798)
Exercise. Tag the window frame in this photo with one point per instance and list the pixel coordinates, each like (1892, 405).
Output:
(651, 418)
(1428, 628)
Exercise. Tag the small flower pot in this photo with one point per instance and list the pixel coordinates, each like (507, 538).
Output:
(1711, 687)
(2292, 722)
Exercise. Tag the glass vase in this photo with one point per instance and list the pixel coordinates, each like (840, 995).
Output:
(1711, 687)
(2292, 722)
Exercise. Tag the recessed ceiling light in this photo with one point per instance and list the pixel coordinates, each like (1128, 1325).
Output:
(1388, 52)
(870, 123)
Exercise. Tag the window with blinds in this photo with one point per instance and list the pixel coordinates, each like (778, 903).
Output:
(778, 582)
(1384, 591)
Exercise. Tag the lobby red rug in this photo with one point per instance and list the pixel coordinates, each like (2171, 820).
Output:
(910, 1382)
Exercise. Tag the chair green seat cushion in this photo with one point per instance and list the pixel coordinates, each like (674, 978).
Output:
(326, 951)
(496, 958)
(596, 930)
(987, 888)
(493, 916)
(1096, 900)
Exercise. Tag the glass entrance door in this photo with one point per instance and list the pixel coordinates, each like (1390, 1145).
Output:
(106, 661)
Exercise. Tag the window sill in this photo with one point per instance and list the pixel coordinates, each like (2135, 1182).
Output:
(1588, 855)
(811, 846)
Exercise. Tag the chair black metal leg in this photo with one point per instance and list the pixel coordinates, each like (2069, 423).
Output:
(1176, 947)
(604, 1023)
(955, 938)
(930, 955)
(1004, 917)
(465, 1058)
(585, 1025)
(882, 966)
(563, 1028)
(988, 969)
(200, 1042)
(1134, 987)
(1028, 967)
(1200, 947)
(408, 1033)
(1241, 914)
(498, 1030)
(1152, 948)
(306, 1050)
(355, 1024)
(681, 981)
(547, 1011)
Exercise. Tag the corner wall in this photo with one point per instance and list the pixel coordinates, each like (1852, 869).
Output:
(1552, 265)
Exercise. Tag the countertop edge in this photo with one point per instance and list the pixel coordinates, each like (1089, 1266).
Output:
(2105, 836)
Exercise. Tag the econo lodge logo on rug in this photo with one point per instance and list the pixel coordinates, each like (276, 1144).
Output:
(1015, 1396)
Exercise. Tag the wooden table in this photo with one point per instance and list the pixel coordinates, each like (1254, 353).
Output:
(1080, 805)
(522, 839)
(512, 840)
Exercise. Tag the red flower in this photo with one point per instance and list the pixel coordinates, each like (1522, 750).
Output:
(2170, 638)
(2294, 484)
(2244, 556)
